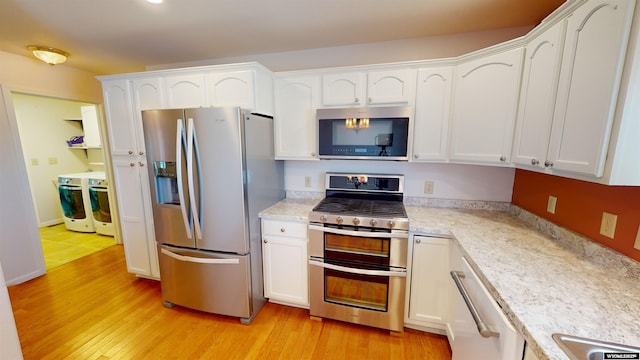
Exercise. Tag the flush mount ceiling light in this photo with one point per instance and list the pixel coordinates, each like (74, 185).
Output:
(155, 1)
(51, 56)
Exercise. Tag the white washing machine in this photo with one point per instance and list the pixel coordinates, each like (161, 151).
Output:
(100, 204)
(75, 203)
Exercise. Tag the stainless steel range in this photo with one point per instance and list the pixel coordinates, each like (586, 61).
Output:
(358, 238)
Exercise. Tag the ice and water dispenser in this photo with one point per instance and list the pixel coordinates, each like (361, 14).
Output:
(166, 182)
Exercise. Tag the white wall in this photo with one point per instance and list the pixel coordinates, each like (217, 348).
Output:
(451, 181)
(432, 47)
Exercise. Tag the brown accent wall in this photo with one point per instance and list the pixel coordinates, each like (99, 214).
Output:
(580, 205)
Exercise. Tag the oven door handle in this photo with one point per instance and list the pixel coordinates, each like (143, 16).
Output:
(359, 233)
(357, 271)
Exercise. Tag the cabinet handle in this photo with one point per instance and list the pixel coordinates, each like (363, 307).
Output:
(535, 162)
(282, 229)
(141, 164)
(141, 153)
(416, 156)
(132, 164)
(370, 100)
(265, 241)
(355, 100)
(503, 158)
(418, 241)
(313, 154)
(548, 163)
(483, 329)
(130, 152)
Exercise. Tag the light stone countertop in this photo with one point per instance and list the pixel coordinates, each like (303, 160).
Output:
(546, 279)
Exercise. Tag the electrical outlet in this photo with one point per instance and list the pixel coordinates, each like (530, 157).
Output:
(34, 161)
(551, 204)
(428, 187)
(307, 181)
(53, 160)
(637, 243)
(608, 224)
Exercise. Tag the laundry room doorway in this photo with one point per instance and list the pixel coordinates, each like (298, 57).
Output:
(60, 138)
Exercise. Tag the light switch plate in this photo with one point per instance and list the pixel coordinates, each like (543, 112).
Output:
(637, 243)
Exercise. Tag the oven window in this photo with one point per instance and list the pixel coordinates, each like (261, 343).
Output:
(364, 291)
(334, 243)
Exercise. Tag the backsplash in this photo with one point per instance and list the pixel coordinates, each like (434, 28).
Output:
(580, 205)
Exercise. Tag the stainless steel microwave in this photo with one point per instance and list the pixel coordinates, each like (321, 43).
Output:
(373, 133)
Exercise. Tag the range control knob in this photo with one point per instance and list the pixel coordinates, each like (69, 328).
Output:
(391, 223)
(339, 220)
(373, 222)
(356, 221)
(323, 218)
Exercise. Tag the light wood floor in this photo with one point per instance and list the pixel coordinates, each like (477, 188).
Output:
(92, 308)
(61, 246)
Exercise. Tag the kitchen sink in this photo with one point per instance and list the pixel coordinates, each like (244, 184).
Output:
(578, 348)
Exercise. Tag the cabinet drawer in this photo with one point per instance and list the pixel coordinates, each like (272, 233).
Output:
(284, 228)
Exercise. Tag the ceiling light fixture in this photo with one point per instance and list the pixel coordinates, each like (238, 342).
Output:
(51, 56)
(155, 1)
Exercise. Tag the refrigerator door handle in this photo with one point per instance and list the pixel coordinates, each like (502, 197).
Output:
(199, 260)
(191, 142)
(179, 142)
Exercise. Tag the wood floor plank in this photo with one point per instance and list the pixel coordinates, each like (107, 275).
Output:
(92, 309)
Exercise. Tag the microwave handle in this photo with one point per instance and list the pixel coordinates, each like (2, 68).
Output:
(382, 235)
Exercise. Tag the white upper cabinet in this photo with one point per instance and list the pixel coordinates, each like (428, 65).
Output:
(538, 97)
(148, 93)
(185, 91)
(484, 107)
(119, 111)
(593, 58)
(432, 109)
(231, 89)
(344, 89)
(248, 89)
(361, 88)
(90, 126)
(296, 100)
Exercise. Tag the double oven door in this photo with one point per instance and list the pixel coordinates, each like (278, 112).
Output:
(358, 274)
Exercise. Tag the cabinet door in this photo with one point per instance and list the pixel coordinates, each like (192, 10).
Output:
(484, 108)
(391, 86)
(286, 270)
(431, 121)
(119, 112)
(295, 120)
(90, 126)
(537, 97)
(131, 209)
(232, 89)
(344, 89)
(429, 299)
(594, 50)
(148, 94)
(186, 91)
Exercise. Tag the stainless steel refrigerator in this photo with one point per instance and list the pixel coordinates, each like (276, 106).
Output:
(211, 171)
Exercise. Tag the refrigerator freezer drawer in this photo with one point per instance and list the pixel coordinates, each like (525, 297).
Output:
(212, 282)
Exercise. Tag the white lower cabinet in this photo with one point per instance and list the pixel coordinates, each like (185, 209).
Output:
(428, 290)
(285, 262)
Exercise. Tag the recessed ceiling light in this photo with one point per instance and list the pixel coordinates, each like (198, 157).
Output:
(155, 1)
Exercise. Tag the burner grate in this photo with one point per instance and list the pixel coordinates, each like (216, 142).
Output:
(361, 207)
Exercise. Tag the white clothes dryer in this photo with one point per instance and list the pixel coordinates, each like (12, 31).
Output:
(100, 204)
(75, 203)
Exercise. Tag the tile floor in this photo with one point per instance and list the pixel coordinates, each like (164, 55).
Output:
(61, 246)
